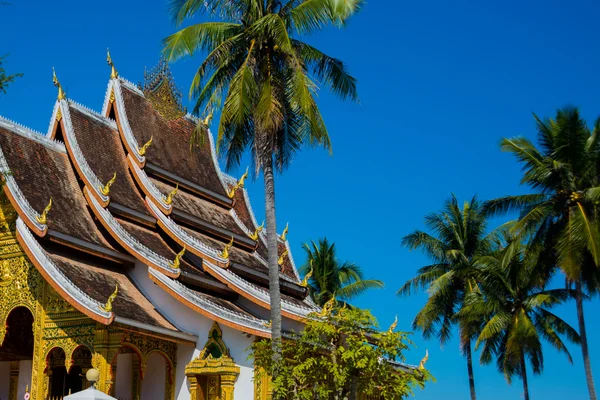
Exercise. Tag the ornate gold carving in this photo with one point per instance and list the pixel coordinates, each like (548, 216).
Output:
(105, 190)
(171, 194)
(393, 325)
(142, 150)
(304, 282)
(228, 246)
(281, 259)
(58, 115)
(424, 360)
(109, 303)
(177, 261)
(208, 118)
(112, 97)
(43, 217)
(160, 89)
(327, 307)
(238, 185)
(285, 232)
(113, 72)
(61, 94)
(254, 236)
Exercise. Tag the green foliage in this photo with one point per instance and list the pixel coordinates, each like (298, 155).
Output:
(5, 79)
(330, 277)
(339, 356)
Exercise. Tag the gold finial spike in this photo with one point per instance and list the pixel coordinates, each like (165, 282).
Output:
(228, 246)
(142, 150)
(285, 232)
(282, 257)
(207, 120)
(61, 94)
(113, 72)
(393, 325)
(43, 218)
(105, 190)
(175, 264)
(304, 282)
(239, 184)
(424, 360)
(172, 194)
(108, 306)
(254, 236)
(327, 307)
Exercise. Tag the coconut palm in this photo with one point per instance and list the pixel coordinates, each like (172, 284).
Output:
(562, 214)
(457, 240)
(329, 277)
(514, 304)
(263, 79)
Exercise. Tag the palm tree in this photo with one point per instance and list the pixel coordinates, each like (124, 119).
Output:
(514, 304)
(328, 277)
(457, 240)
(264, 80)
(562, 214)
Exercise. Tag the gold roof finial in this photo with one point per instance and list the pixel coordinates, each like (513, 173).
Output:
(105, 190)
(327, 307)
(282, 257)
(172, 194)
(424, 360)
(254, 236)
(228, 246)
(175, 264)
(61, 94)
(393, 325)
(239, 184)
(113, 72)
(304, 282)
(142, 150)
(207, 120)
(285, 232)
(108, 306)
(43, 217)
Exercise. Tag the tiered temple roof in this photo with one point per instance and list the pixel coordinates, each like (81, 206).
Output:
(102, 192)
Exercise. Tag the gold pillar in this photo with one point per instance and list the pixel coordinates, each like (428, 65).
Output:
(193, 387)
(106, 347)
(227, 386)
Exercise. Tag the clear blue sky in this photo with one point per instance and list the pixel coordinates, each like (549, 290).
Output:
(440, 84)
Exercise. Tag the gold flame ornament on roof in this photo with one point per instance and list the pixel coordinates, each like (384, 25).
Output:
(239, 184)
(254, 236)
(304, 282)
(327, 307)
(424, 360)
(177, 262)
(285, 232)
(43, 217)
(282, 257)
(172, 194)
(105, 190)
(61, 93)
(109, 303)
(142, 150)
(113, 72)
(228, 246)
(207, 120)
(393, 325)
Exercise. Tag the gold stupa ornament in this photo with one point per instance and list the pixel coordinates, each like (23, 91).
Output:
(238, 185)
(105, 190)
(113, 72)
(109, 303)
(177, 262)
(61, 93)
(254, 236)
(43, 217)
(228, 246)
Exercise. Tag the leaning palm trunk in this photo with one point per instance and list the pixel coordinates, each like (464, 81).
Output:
(584, 344)
(470, 369)
(524, 377)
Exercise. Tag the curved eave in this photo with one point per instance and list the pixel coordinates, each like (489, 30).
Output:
(46, 267)
(125, 239)
(148, 187)
(253, 326)
(184, 239)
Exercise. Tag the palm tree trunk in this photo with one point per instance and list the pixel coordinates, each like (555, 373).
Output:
(584, 343)
(274, 293)
(470, 369)
(524, 377)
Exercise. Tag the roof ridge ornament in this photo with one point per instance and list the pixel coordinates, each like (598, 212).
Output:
(285, 232)
(228, 246)
(177, 261)
(304, 282)
(254, 236)
(61, 93)
(282, 257)
(109, 303)
(114, 74)
(393, 325)
(172, 194)
(328, 306)
(424, 360)
(43, 217)
(160, 89)
(142, 150)
(238, 185)
(105, 190)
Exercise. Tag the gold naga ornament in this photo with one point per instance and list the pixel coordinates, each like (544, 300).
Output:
(239, 184)
(327, 307)
(285, 232)
(393, 325)
(109, 303)
(281, 259)
(207, 120)
(113, 72)
(228, 246)
(254, 236)
(304, 282)
(43, 217)
(105, 190)
(142, 150)
(176, 263)
(61, 93)
(424, 360)
(172, 194)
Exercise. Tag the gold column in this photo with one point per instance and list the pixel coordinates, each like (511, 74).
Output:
(227, 386)
(193, 387)
(106, 347)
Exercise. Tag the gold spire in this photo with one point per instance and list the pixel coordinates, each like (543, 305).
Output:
(142, 150)
(393, 325)
(108, 306)
(61, 94)
(43, 218)
(254, 236)
(282, 257)
(225, 252)
(113, 72)
(239, 184)
(105, 190)
(285, 232)
(304, 282)
(424, 360)
(171, 194)
(175, 264)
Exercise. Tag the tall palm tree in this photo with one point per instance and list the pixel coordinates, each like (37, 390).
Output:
(562, 214)
(263, 79)
(329, 277)
(514, 304)
(457, 240)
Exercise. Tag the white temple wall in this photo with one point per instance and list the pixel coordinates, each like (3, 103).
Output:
(24, 377)
(4, 379)
(153, 384)
(124, 376)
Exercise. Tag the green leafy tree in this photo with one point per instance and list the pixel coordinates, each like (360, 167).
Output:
(329, 277)
(457, 240)
(515, 306)
(562, 214)
(339, 355)
(5, 79)
(264, 81)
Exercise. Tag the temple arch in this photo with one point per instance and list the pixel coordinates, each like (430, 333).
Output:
(16, 352)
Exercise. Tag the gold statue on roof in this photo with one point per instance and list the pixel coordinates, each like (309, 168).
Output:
(239, 184)
(43, 217)
(281, 259)
(424, 360)
(61, 93)
(176, 263)
(228, 246)
(285, 232)
(142, 150)
(109, 303)
(105, 190)
(304, 282)
(171, 194)
(254, 236)
(113, 72)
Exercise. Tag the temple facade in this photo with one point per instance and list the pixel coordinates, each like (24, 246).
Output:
(123, 248)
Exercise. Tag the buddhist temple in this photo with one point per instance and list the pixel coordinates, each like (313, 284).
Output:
(126, 249)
